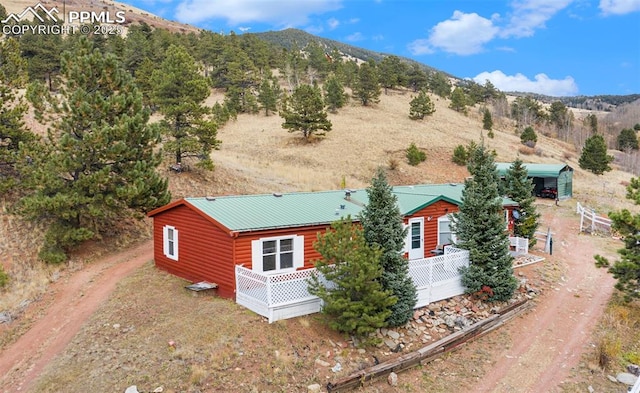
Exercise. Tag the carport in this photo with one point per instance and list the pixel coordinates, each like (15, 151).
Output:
(547, 178)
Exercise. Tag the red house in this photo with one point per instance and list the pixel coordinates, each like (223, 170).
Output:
(203, 239)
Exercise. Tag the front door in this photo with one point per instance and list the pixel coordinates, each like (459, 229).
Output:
(415, 238)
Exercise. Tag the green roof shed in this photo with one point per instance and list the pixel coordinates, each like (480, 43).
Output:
(547, 178)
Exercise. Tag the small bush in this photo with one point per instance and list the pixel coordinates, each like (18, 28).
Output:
(525, 150)
(529, 137)
(460, 155)
(4, 278)
(415, 155)
(393, 163)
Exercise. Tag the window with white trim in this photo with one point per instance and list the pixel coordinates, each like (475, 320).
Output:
(445, 233)
(170, 242)
(277, 254)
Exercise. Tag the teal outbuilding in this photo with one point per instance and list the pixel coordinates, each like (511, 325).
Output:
(550, 180)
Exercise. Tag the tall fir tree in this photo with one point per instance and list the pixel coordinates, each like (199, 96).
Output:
(179, 93)
(480, 228)
(382, 224)
(458, 100)
(355, 300)
(269, 95)
(626, 270)
(304, 112)
(519, 187)
(594, 155)
(487, 122)
(99, 162)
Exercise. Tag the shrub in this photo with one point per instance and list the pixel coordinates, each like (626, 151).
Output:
(4, 278)
(460, 155)
(525, 150)
(528, 136)
(393, 163)
(415, 155)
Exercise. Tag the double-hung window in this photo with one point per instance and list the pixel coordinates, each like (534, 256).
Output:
(170, 242)
(277, 254)
(445, 234)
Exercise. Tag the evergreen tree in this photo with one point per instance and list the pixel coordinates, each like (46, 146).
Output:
(519, 187)
(480, 228)
(354, 299)
(415, 155)
(439, 84)
(367, 86)
(627, 269)
(13, 67)
(458, 101)
(334, 94)
(627, 139)
(392, 72)
(591, 121)
(42, 52)
(460, 155)
(529, 137)
(417, 79)
(594, 155)
(179, 93)
(99, 162)
(268, 96)
(487, 122)
(421, 106)
(558, 113)
(304, 112)
(382, 224)
(526, 111)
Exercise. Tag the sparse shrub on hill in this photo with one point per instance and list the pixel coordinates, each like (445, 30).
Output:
(414, 155)
(529, 137)
(4, 277)
(421, 106)
(460, 155)
(355, 300)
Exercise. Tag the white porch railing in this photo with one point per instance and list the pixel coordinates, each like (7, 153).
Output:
(518, 246)
(282, 296)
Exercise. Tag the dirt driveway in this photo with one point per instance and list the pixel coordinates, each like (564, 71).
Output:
(75, 298)
(547, 342)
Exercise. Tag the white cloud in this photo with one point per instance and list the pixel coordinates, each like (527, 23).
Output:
(280, 13)
(462, 34)
(529, 15)
(333, 23)
(357, 36)
(541, 84)
(619, 7)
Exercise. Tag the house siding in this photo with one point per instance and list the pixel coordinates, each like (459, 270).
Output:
(435, 210)
(205, 251)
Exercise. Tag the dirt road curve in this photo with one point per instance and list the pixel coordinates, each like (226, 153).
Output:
(549, 340)
(75, 299)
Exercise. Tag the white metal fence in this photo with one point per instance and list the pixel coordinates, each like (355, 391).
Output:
(590, 222)
(282, 296)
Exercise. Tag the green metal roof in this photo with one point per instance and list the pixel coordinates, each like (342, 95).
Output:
(243, 213)
(535, 170)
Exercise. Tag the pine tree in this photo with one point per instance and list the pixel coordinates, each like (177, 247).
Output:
(367, 85)
(334, 94)
(627, 139)
(458, 101)
(529, 137)
(268, 95)
(480, 228)
(354, 299)
(304, 112)
(179, 93)
(519, 187)
(99, 162)
(439, 84)
(382, 224)
(414, 155)
(627, 269)
(421, 106)
(487, 122)
(594, 155)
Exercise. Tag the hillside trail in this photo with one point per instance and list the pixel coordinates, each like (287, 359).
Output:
(550, 340)
(74, 299)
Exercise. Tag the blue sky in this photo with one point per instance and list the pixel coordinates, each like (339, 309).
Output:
(554, 47)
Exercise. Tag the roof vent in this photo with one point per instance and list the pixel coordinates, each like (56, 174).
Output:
(210, 198)
(277, 194)
(342, 207)
(347, 195)
(453, 184)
